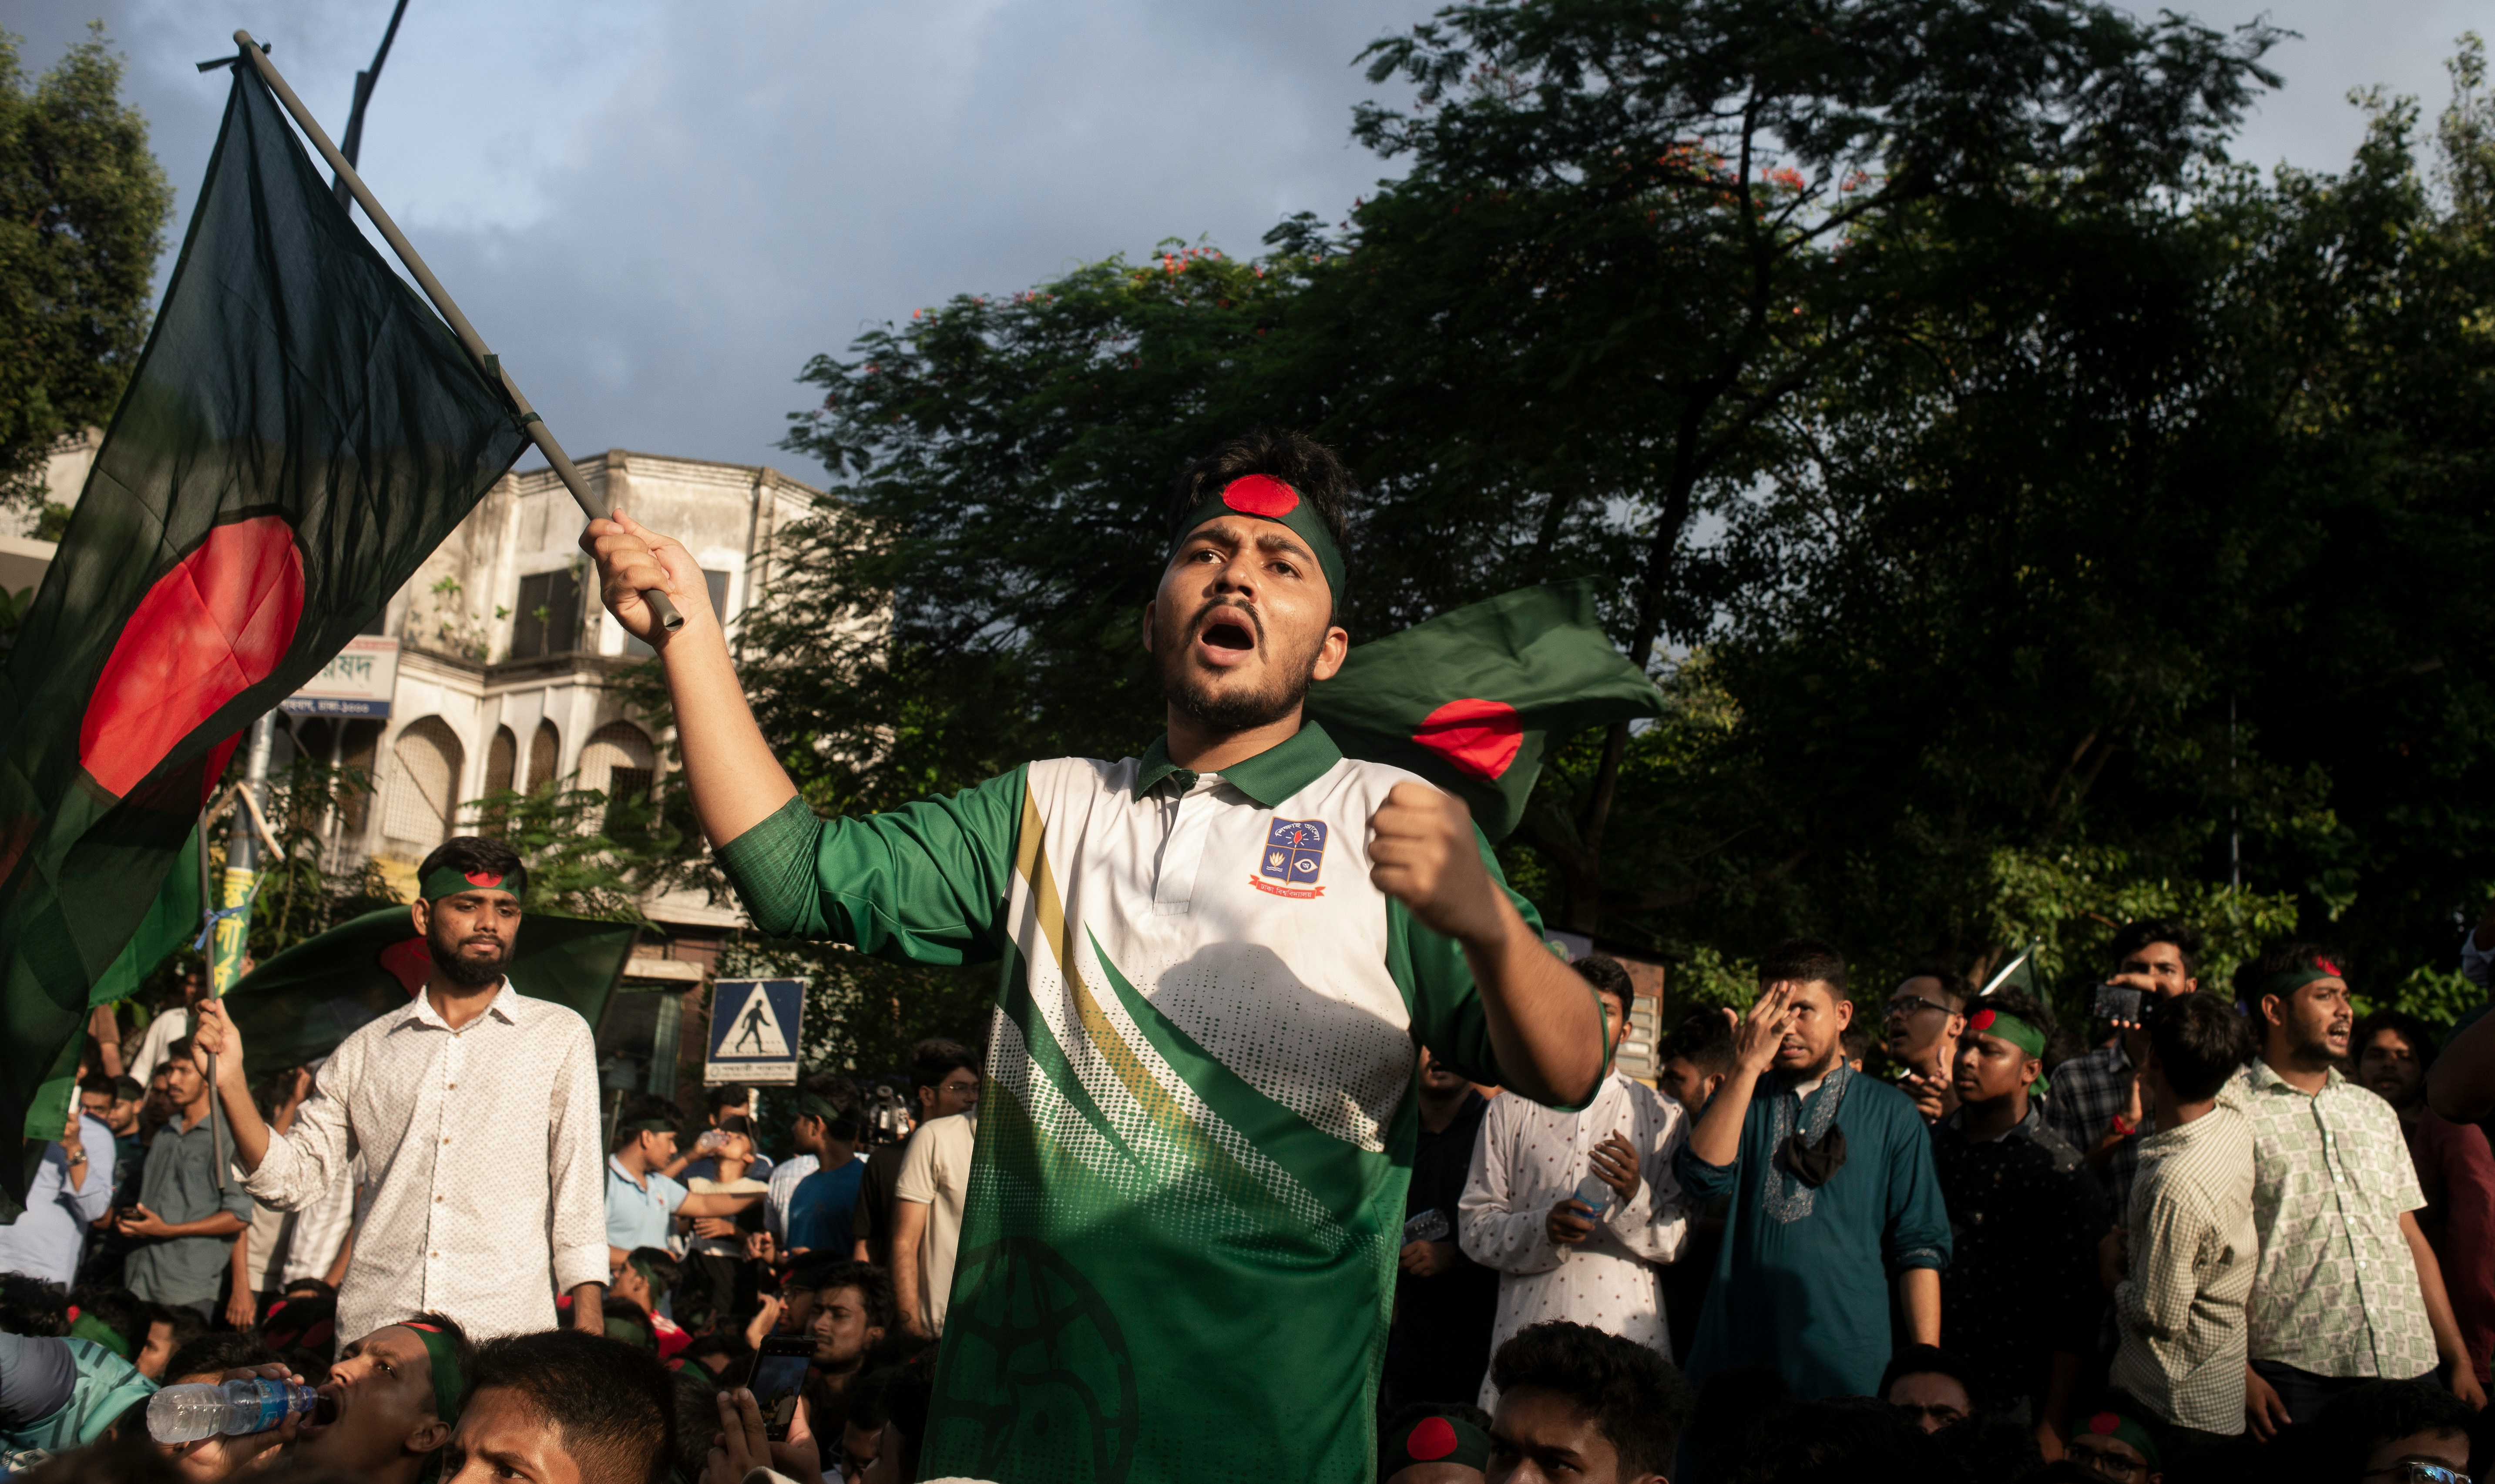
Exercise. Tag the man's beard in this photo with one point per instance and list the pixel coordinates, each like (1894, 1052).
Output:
(1238, 711)
(459, 968)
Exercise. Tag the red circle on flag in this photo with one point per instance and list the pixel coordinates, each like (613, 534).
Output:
(214, 626)
(1433, 1439)
(1261, 494)
(482, 878)
(2103, 1424)
(1479, 736)
(409, 962)
(1980, 1020)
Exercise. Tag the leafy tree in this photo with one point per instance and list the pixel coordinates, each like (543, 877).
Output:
(590, 853)
(83, 211)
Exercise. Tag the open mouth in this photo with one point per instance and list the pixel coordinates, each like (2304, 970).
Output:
(1225, 636)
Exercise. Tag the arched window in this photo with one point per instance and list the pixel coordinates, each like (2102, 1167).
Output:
(545, 751)
(620, 764)
(423, 786)
(501, 757)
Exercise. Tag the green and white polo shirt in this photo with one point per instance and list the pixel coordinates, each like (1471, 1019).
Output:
(1179, 1247)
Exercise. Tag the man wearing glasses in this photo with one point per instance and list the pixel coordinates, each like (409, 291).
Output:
(1923, 1020)
(2394, 1433)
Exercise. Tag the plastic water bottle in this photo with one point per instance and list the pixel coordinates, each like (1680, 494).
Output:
(1596, 1193)
(206, 1408)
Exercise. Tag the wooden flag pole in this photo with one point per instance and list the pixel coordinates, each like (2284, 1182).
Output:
(591, 502)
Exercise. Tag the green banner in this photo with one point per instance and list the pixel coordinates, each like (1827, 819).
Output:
(302, 1002)
(1473, 698)
(301, 432)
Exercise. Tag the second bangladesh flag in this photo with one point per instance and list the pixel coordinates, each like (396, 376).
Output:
(299, 434)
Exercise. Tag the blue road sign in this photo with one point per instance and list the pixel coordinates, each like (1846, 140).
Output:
(754, 1032)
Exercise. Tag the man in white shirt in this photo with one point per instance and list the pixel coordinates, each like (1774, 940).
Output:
(927, 1219)
(1558, 1258)
(172, 1022)
(475, 1110)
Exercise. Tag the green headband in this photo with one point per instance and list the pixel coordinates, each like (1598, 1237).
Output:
(1266, 497)
(2122, 1428)
(1437, 1440)
(87, 1326)
(649, 1274)
(2288, 981)
(812, 1105)
(449, 881)
(1993, 1021)
(1990, 1021)
(449, 1383)
(646, 1126)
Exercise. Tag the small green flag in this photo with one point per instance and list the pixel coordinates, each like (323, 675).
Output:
(299, 434)
(302, 1002)
(1473, 698)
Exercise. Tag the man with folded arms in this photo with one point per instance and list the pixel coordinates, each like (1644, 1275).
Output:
(476, 1109)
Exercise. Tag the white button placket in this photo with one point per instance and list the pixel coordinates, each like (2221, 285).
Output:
(452, 1059)
(1183, 849)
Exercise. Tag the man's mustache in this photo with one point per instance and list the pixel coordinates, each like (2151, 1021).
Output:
(1246, 611)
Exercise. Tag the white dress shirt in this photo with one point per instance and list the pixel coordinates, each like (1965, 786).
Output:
(1530, 1159)
(482, 1146)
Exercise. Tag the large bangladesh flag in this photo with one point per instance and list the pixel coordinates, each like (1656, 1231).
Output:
(1473, 698)
(299, 1005)
(301, 432)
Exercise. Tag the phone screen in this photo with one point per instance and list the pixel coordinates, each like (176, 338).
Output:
(776, 1381)
(2116, 1002)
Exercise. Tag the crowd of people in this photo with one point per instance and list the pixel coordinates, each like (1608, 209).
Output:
(1295, 1154)
(2231, 1239)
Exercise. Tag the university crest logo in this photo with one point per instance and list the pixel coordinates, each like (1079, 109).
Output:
(1294, 854)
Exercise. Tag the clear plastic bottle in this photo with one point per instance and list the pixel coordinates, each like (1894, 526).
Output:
(1596, 1193)
(200, 1410)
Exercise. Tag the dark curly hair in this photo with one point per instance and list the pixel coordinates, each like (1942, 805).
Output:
(2350, 1424)
(1636, 1397)
(2132, 936)
(1804, 960)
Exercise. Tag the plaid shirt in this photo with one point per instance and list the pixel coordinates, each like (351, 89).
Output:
(2180, 1305)
(2337, 1291)
(2089, 1091)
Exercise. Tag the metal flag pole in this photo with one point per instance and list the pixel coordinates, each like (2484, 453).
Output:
(590, 503)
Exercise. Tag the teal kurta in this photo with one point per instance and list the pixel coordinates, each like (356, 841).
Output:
(1803, 1279)
(1177, 1246)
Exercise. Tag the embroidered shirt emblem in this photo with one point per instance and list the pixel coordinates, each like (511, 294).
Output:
(1294, 854)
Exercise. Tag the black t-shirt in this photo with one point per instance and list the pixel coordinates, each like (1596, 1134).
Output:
(1439, 1346)
(872, 1222)
(2025, 1219)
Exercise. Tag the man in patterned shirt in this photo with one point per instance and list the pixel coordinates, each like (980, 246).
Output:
(475, 1110)
(1218, 960)
(2098, 1104)
(2348, 1290)
(2183, 1262)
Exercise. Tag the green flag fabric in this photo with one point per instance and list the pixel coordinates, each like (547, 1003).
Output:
(1471, 699)
(302, 1002)
(301, 432)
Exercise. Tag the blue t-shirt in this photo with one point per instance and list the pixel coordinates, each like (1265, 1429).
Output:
(818, 1214)
(636, 1216)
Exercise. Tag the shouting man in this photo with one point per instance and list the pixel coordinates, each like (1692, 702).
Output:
(476, 1108)
(1221, 958)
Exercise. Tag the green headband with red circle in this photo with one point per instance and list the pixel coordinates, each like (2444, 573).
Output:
(450, 881)
(1992, 1021)
(2288, 981)
(2126, 1430)
(1262, 497)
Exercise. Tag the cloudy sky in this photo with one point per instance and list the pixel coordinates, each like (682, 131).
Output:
(657, 212)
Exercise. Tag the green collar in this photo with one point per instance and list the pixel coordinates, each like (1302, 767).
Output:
(1269, 778)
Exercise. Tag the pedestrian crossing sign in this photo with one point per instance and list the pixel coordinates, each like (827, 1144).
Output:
(754, 1032)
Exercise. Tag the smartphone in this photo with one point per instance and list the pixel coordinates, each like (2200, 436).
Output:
(2115, 1002)
(778, 1376)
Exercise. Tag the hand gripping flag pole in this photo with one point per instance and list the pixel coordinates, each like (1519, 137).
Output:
(591, 502)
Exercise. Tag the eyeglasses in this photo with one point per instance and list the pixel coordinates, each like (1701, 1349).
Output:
(1907, 1005)
(960, 1089)
(2410, 1470)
